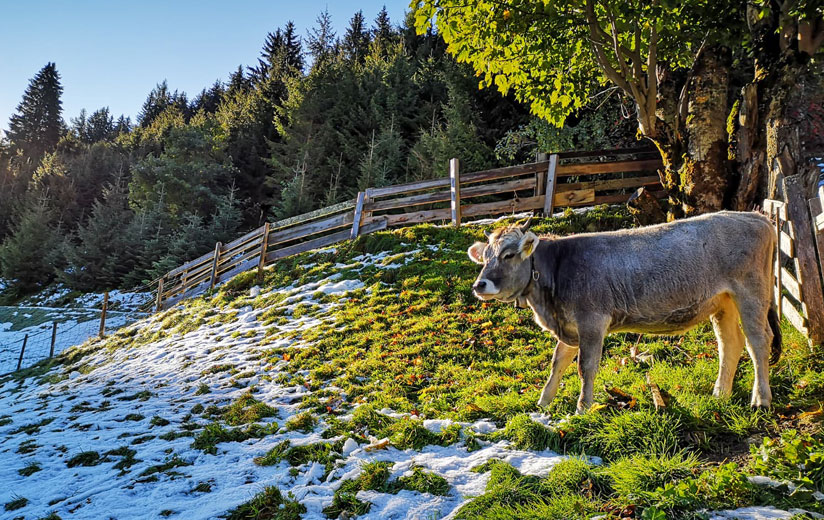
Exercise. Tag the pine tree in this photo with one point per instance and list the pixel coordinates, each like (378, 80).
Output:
(296, 195)
(38, 125)
(356, 39)
(27, 256)
(123, 125)
(209, 99)
(52, 181)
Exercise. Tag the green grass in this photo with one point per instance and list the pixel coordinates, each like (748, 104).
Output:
(29, 470)
(415, 340)
(269, 504)
(16, 503)
(84, 458)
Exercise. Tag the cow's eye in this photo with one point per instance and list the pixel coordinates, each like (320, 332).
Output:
(507, 256)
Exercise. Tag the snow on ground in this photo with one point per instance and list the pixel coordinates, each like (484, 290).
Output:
(74, 326)
(62, 296)
(109, 399)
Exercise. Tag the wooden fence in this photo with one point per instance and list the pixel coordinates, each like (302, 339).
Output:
(554, 181)
(799, 263)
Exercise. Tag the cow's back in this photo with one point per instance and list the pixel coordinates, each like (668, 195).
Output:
(668, 272)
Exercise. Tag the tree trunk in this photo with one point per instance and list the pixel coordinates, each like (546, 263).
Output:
(692, 137)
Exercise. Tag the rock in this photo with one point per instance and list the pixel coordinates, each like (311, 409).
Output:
(254, 292)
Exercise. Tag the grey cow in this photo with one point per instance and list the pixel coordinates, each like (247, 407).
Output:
(662, 279)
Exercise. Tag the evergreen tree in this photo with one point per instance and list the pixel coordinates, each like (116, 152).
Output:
(97, 127)
(383, 34)
(159, 100)
(102, 251)
(238, 81)
(321, 39)
(38, 125)
(27, 256)
(356, 40)
(209, 99)
(52, 181)
(123, 125)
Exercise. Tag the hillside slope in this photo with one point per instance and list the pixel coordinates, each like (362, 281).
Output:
(366, 380)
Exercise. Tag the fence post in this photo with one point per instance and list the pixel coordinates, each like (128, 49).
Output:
(776, 214)
(808, 275)
(540, 179)
(102, 332)
(455, 190)
(264, 245)
(22, 349)
(358, 213)
(215, 263)
(549, 200)
(159, 304)
(53, 339)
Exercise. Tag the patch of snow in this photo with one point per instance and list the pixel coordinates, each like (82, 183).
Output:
(751, 513)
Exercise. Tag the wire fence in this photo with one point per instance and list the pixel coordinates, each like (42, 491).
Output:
(31, 334)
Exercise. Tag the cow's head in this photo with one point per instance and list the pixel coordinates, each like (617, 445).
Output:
(507, 266)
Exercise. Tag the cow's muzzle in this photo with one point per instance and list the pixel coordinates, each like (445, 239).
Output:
(485, 289)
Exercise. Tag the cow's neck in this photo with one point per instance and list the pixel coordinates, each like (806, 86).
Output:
(539, 295)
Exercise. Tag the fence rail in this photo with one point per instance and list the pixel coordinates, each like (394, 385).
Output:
(554, 181)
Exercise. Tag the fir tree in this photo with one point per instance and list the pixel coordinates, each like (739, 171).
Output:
(321, 39)
(383, 34)
(159, 100)
(27, 254)
(102, 252)
(356, 39)
(38, 125)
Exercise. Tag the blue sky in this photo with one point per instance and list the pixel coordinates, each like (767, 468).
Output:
(113, 53)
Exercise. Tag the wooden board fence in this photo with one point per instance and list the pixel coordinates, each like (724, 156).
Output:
(554, 181)
(798, 292)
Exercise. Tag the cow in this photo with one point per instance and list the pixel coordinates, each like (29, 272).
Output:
(661, 279)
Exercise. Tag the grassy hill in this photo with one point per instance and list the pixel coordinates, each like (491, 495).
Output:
(365, 380)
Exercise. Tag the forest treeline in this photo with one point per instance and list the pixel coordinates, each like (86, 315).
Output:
(100, 202)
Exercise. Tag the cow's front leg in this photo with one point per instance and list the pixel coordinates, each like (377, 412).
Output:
(590, 347)
(561, 359)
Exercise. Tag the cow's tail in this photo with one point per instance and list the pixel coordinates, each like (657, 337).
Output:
(775, 325)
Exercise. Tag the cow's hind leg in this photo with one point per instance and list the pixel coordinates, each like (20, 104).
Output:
(759, 337)
(730, 345)
(561, 359)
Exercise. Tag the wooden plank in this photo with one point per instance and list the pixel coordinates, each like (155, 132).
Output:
(817, 212)
(238, 260)
(455, 190)
(159, 302)
(771, 206)
(416, 217)
(611, 184)
(503, 173)
(606, 152)
(565, 170)
(819, 223)
(551, 182)
(22, 351)
(102, 332)
(53, 339)
(356, 220)
(574, 198)
(214, 265)
(312, 215)
(410, 187)
(503, 206)
(328, 240)
(252, 243)
(263, 247)
(620, 198)
(540, 178)
(794, 317)
(197, 262)
(779, 303)
(809, 274)
(310, 228)
(446, 196)
(789, 283)
(785, 243)
(248, 265)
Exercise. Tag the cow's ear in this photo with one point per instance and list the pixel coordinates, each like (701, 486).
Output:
(476, 252)
(528, 244)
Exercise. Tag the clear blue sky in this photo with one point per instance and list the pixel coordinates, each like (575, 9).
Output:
(113, 53)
